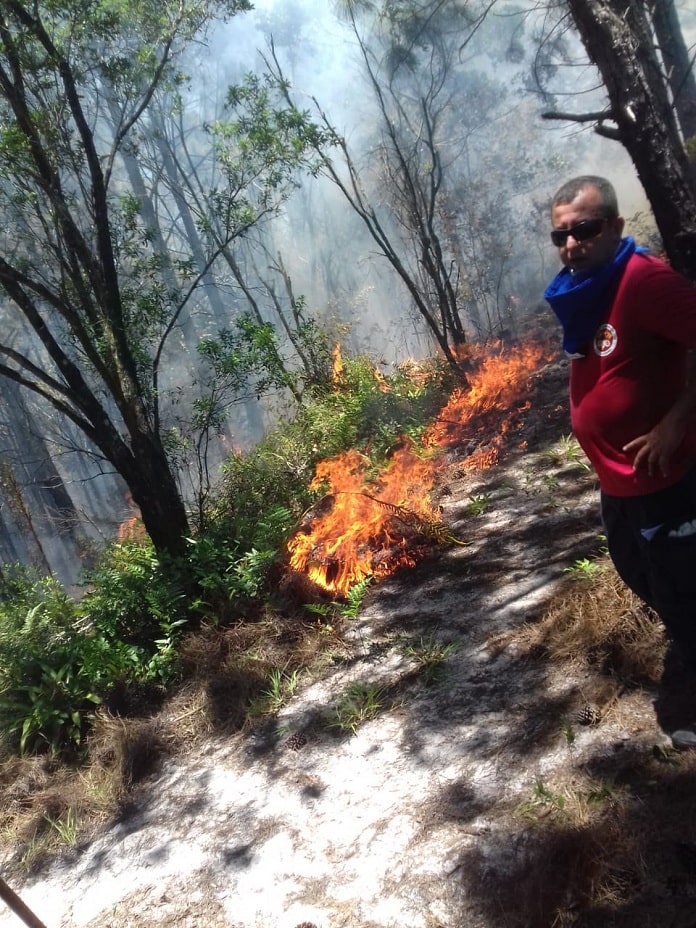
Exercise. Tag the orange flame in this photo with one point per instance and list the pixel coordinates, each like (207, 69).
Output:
(336, 363)
(495, 385)
(360, 535)
(132, 528)
(364, 527)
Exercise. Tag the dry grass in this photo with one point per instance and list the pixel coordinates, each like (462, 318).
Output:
(609, 840)
(555, 878)
(50, 806)
(599, 623)
(192, 904)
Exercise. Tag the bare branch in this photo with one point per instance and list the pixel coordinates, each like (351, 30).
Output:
(599, 116)
(607, 132)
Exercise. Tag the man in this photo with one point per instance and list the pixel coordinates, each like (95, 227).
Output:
(629, 322)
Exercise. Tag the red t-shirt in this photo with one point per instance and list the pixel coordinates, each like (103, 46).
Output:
(633, 373)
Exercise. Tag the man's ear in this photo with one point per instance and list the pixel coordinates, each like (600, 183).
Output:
(618, 225)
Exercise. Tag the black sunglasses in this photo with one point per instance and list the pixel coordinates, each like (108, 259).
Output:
(583, 231)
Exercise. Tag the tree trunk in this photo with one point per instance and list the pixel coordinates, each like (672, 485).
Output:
(676, 61)
(617, 37)
(149, 478)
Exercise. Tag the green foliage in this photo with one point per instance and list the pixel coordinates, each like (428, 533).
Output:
(603, 793)
(361, 410)
(45, 692)
(248, 350)
(259, 146)
(312, 343)
(281, 687)
(271, 479)
(585, 569)
(360, 703)
(228, 563)
(571, 805)
(567, 451)
(354, 598)
(133, 594)
(65, 827)
(366, 408)
(430, 656)
(542, 799)
(348, 609)
(247, 359)
(568, 732)
(59, 658)
(478, 504)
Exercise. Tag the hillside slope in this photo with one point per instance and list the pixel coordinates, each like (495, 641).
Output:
(470, 794)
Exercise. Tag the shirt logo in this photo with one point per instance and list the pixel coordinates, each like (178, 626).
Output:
(605, 340)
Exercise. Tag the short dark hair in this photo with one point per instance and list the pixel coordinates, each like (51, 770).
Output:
(571, 188)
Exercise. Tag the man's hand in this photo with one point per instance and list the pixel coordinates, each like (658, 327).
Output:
(654, 450)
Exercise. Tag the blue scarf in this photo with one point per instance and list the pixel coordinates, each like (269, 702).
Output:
(582, 301)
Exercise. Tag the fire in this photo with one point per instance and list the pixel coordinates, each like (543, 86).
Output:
(366, 526)
(132, 528)
(364, 532)
(336, 363)
(494, 386)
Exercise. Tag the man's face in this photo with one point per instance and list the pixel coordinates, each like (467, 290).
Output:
(591, 253)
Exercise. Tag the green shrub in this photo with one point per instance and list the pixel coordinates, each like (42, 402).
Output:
(133, 594)
(59, 658)
(51, 670)
(366, 409)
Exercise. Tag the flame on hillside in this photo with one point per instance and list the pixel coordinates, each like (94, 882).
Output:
(366, 526)
(336, 363)
(131, 528)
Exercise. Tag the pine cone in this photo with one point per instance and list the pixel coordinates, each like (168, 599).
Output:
(294, 742)
(589, 715)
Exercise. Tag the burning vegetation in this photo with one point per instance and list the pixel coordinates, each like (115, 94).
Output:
(371, 523)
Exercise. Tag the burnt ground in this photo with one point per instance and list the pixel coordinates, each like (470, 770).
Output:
(464, 790)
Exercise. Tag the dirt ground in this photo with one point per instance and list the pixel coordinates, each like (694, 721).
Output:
(466, 800)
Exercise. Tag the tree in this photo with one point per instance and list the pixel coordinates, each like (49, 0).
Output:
(99, 288)
(641, 114)
(678, 65)
(429, 276)
(437, 177)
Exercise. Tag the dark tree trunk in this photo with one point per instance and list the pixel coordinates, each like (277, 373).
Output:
(148, 476)
(676, 62)
(618, 39)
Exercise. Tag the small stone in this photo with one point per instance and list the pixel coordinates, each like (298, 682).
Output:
(684, 740)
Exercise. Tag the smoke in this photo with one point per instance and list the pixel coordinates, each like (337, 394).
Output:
(500, 162)
(502, 165)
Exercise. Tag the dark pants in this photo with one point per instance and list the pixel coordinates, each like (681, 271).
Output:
(652, 542)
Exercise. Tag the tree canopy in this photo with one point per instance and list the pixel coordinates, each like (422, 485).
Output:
(95, 272)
